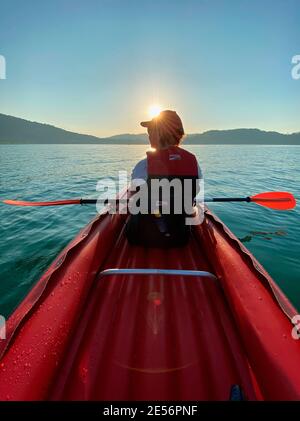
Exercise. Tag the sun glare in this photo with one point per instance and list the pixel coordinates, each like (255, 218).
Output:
(154, 110)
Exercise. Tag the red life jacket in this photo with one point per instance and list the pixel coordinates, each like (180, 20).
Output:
(157, 228)
(172, 162)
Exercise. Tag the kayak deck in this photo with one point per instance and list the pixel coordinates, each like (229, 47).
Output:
(84, 333)
(154, 336)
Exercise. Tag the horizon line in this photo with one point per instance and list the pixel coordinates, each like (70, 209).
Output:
(144, 133)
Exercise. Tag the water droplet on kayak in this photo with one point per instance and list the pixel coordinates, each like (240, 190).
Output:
(284, 336)
(260, 298)
(83, 372)
(27, 365)
(52, 294)
(8, 397)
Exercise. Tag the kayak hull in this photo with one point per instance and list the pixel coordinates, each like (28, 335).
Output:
(85, 334)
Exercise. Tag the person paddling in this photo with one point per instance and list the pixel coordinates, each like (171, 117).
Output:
(165, 224)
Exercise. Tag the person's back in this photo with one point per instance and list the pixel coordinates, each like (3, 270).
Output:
(170, 178)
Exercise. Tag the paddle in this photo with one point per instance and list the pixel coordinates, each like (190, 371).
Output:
(273, 200)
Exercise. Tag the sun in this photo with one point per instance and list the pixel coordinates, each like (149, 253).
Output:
(154, 110)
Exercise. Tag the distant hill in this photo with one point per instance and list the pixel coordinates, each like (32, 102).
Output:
(15, 130)
(243, 136)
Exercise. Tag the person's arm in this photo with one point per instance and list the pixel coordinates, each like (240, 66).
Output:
(200, 179)
(139, 173)
(200, 175)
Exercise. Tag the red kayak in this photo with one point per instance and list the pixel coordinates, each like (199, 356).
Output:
(111, 321)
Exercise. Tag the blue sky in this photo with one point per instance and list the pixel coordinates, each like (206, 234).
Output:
(95, 66)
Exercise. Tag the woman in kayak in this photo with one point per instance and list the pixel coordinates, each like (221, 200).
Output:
(176, 173)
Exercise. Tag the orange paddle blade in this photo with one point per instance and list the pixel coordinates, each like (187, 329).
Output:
(279, 200)
(56, 203)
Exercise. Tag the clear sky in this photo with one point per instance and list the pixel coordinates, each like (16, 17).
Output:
(94, 66)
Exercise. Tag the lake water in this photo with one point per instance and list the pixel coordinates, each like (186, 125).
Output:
(30, 238)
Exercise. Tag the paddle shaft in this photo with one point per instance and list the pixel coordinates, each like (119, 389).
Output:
(215, 199)
(228, 199)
